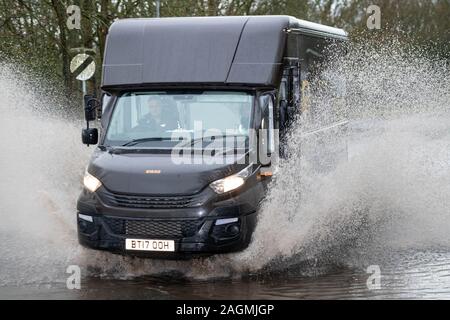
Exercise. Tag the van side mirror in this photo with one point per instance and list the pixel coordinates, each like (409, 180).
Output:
(91, 104)
(89, 136)
(267, 143)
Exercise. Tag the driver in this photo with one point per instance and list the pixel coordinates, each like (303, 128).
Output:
(159, 117)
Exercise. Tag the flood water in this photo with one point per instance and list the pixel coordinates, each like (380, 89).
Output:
(318, 233)
(411, 275)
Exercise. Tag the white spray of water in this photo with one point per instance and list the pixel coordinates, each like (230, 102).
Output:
(392, 193)
(40, 164)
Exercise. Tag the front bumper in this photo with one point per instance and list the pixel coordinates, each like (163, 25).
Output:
(208, 238)
(195, 230)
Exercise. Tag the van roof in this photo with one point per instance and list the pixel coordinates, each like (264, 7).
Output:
(201, 50)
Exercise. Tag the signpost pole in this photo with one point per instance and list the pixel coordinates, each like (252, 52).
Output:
(158, 5)
(84, 89)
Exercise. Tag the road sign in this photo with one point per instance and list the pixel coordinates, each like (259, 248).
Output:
(82, 66)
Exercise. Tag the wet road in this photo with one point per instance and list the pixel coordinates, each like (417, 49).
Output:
(409, 274)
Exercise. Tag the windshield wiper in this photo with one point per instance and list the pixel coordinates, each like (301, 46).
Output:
(137, 141)
(190, 143)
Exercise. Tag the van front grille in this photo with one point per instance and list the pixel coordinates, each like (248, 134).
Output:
(148, 202)
(158, 228)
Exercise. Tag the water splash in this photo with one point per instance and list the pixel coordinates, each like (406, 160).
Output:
(392, 193)
(40, 164)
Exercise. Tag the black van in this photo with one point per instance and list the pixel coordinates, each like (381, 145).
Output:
(191, 116)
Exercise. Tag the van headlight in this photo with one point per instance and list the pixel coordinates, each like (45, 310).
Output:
(231, 182)
(91, 183)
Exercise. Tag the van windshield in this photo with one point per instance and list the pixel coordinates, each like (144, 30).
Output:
(151, 117)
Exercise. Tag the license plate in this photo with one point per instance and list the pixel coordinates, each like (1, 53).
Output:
(150, 245)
